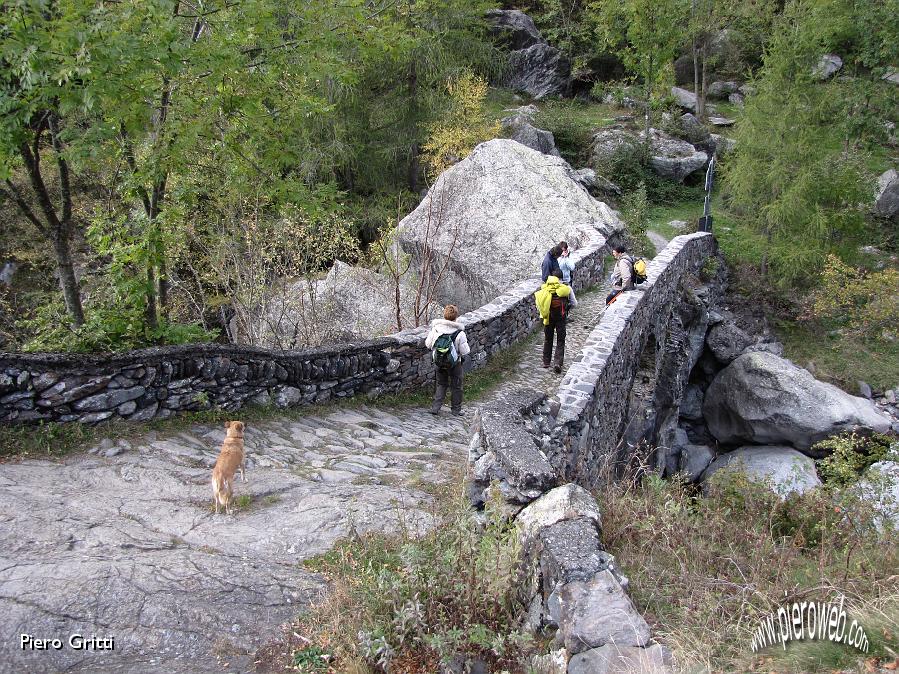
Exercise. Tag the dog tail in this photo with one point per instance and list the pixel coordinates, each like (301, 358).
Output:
(221, 489)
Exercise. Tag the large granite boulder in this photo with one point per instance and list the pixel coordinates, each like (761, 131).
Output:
(535, 67)
(518, 127)
(691, 129)
(595, 612)
(617, 659)
(726, 341)
(495, 214)
(670, 157)
(599, 187)
(513, 28)
(764, 399)
(607, 142)
(886, 204)
(880, 487)
(722, 89)
(349, 303)
(785, 469)
(674, 159)
(694, 459)
(685, 99)
(541, 70)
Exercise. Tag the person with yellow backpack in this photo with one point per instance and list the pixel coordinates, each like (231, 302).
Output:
(627, 273)
(552, 303)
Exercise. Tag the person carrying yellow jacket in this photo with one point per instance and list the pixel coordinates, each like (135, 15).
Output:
(552, 303)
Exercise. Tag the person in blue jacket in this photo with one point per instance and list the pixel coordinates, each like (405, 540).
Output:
(550, 266)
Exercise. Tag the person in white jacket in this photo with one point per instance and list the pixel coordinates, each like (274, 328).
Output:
(449, 376)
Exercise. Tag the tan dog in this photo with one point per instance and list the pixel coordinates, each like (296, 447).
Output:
(230, 459)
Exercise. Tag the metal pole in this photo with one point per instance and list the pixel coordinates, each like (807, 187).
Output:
(705, 222)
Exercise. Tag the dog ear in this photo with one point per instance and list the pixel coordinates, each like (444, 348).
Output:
(227, 424)
(240, 425)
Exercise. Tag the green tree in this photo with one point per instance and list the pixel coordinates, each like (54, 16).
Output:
(748, 25)
(168, 103)
(645, 34)
(401, 92)
(799, 172)
(43, 65)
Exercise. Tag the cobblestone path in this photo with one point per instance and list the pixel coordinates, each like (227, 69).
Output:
(121, 542)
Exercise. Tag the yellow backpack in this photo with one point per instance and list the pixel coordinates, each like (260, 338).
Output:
(638, 264)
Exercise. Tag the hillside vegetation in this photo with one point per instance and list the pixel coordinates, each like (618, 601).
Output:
(165, 166)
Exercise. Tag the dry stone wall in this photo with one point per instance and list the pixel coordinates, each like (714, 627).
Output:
(159, 382)
(527, 443)
(541, 453)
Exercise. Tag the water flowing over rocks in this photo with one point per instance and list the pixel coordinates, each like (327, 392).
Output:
(764, 399)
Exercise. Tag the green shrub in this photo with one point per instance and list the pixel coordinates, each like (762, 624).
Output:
(635, 213)
(406, 603)
(572, 124)
(107, 328)
(628, 167)
(849, 454)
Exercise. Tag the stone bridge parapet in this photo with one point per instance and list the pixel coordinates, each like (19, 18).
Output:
(156, 383)
(544, 454)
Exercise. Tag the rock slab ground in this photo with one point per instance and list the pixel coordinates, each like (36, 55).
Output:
(122, 541)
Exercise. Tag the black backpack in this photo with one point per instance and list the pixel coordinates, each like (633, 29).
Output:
(444, 353)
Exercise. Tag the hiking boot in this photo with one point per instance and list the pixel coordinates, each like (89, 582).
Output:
(434, 412)
(457, 413)
(557, 369)
(545, 365)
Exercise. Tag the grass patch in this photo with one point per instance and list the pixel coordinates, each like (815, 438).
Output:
(687, 211)
(704, 571)
(841, 359)
(411, 604)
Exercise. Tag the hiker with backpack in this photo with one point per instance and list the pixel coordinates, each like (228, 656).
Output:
(552, 303)
(627, 273)
(449, 346)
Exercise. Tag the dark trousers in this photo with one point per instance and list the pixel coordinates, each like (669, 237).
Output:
(449, 378)
(556, 328)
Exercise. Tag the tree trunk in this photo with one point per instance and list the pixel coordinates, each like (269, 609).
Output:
(700, 96)
(414, 150)
(700, 102)
(150, 307)
(56, 228)
(67, 282)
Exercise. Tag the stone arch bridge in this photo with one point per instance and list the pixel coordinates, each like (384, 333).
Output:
(120, 540)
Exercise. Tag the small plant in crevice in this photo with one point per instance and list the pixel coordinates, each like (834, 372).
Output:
(413, 603)
(848, 455)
